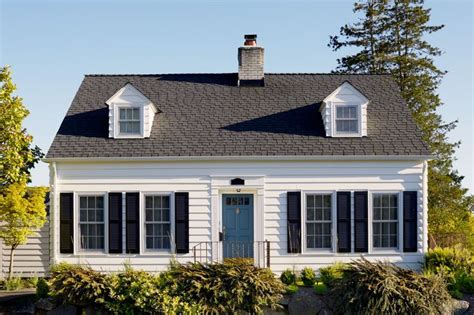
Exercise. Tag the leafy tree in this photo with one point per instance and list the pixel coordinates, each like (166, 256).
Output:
(22, 209)
(390, 36)
(17, 156)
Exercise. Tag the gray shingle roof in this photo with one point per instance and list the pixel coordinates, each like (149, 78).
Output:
(208, 115)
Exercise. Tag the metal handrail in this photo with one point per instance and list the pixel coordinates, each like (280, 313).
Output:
(210, 251)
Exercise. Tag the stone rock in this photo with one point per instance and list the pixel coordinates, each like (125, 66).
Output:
(306, 302)
(45, 304)
(63, 310)
(456, 307)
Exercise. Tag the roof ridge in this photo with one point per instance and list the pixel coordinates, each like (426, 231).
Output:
(228, 73)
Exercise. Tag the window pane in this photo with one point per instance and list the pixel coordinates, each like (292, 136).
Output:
(318, 201)
(310, 201)
(83, 215)
(99, 215)
(310, 215)
(310, 228)
(99, 202)
(83, 202)
(166, 202)
(122, 113)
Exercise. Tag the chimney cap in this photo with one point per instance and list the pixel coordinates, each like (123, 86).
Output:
(250, 36)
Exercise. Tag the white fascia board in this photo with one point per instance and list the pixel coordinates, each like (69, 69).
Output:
(247, 158)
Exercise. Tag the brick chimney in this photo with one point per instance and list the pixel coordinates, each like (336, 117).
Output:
(251, 63)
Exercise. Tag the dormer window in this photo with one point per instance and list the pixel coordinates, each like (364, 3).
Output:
(344, 112)
(129, 121)
(131, 114)
(347, 119)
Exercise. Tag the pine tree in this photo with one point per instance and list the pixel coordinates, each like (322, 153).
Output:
(391, 38)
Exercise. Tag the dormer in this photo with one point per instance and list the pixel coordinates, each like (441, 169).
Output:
(131, 114)
(344, 112)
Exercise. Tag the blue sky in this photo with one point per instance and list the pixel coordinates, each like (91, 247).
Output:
(52, 44)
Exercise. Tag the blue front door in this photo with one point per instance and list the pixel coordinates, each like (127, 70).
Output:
(237, 227)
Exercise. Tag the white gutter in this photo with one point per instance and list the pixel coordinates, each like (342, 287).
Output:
(246, 158)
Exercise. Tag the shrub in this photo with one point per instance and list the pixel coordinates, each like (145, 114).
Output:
(42, 288)
(14, 283)
(288, 277)
(292, 289)
(308, 276)
(449, 260)
(456, 265)
(139, 292)
(78, 285)
(225, 288)
(383, 288)
(328, 275)
(320, 288)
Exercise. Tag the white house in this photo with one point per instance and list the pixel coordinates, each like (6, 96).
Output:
(292, 170)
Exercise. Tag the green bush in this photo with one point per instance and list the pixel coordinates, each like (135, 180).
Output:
(292, 289)
(225, 288)
(288, 277)
(42, 288)
(139, 292)
(78, 285)
(14, 283)
(320, 288)
(308, 276)
(455, 265)
(328, 275)
(383, 288)
(449, 260)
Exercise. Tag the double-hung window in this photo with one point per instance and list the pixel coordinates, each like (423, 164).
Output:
(347, 120)
(157, 222)
(91, 222)
(129, 121)
(385, 220)
(318, 221)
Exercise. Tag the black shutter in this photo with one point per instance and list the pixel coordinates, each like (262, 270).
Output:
(344, 221)
(66, 223)
(409, 221)
(293, 204)
(132, 205)
(181, 205)
(361, 234)
(115, 223)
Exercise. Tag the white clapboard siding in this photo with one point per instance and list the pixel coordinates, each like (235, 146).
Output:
(268, 181)
(31, 259)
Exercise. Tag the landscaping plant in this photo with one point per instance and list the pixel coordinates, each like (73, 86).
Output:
(229, 287)
(383, 288)
(78, 285)
(328, 275)
(42, 288)
(456, 265)
(308, 276)
(139, 292)
(288, 277)
(320, 288)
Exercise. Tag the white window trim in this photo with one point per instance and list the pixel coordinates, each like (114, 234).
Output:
(157, 252)
(375, 250)
(117, 107)
(333, 248)
(77, 231)
(335, 133)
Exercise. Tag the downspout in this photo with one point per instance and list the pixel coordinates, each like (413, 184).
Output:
(52, 213)
(425, 206)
